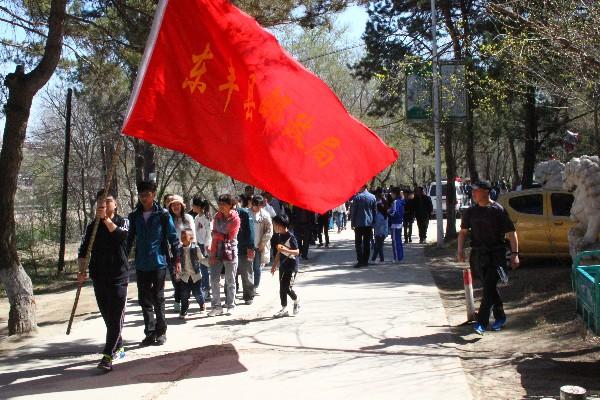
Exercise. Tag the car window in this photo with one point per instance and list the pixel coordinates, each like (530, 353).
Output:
(432, 191)
(528, 204)
(561, 204)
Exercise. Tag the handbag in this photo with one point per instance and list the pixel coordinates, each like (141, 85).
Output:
(228, 250)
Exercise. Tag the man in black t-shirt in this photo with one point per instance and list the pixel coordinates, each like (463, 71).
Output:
(489, 224)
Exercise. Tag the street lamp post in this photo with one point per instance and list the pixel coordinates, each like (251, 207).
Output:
(436, 128)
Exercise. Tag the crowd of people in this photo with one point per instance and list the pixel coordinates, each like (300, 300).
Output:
(200, 247)
(385, 212)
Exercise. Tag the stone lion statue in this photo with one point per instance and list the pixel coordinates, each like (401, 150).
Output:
(582, 175)
(550, 174)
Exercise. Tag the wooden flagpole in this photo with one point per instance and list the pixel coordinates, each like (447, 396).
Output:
(88, 251)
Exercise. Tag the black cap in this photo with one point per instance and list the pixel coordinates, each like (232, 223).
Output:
(485, 185)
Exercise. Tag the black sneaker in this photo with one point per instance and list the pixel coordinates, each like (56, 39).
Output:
(162, 339)
(149, 340)
(105, 364)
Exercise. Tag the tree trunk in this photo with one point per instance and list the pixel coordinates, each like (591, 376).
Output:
(138, 147)
(451, 186)
(531, 138)
(516, 181)
(149, 163)
(21, 89)
(470, 151)
(596, 126)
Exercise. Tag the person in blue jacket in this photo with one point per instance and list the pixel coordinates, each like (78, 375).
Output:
(381, 231)
(152, 228)
(396, 213)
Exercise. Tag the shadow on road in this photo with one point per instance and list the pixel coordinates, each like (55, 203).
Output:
(405, 272)
(217, 360)
(543, 374)
(435, 339)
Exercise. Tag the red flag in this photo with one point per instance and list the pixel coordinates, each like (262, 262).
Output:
(216, 86)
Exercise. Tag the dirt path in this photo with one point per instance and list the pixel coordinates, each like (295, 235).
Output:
(543, 345)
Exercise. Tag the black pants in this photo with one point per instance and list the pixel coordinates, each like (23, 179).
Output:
(176, 285)
(486, 262)
(286, 282)
(111, 298)
(362, 242)
(378, 248)
(422, 224)
(408, 225)
(151, 296)
(303, 237)
(323, 230)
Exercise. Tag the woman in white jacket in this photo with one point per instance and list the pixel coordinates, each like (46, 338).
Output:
(203, 228)
(263, 231)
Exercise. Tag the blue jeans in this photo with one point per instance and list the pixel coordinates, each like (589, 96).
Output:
(256, 268)
(194, 288)
(204, 271)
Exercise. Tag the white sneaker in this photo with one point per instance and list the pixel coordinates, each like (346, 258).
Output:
(282, 313)
(230, 311)
(215, 311)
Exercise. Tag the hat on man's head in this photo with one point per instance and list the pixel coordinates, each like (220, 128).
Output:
(483, 185)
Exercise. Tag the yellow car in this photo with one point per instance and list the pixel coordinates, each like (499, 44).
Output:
(541, 218)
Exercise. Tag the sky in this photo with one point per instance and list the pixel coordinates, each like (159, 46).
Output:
(354, 17)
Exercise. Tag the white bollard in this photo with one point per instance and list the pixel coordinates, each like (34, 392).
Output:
(572, 393)
(468, 282)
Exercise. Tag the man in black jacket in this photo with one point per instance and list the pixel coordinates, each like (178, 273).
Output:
(109, 271)
(302, 222)
(423, 207)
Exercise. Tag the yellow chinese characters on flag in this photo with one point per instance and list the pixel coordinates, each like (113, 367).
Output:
(218, 87)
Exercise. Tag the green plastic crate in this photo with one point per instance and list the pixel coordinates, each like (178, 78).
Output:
(587, 290)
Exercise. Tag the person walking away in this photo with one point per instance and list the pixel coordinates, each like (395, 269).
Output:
(247, 252)
(362, 218)
(287, 262)
(381, 231)
(203, 227)
(338, 215)
(182, 221)
(423, 210)
(323, 227)
(489, 224)
(191, 277)
(152, 229)
(109, 271)
(396, 224)
(224, 253)
(302, 222)
(263, 232)
(409, 215)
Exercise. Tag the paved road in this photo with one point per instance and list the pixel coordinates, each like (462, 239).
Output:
(373, 333)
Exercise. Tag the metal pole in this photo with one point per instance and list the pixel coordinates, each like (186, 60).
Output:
(436, 128)
(65, 189)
